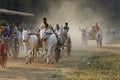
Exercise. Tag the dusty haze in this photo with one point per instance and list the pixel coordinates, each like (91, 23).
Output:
(77, 15)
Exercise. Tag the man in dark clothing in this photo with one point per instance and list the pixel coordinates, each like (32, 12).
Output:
(66, 27)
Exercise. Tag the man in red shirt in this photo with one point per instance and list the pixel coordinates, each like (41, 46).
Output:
(3, 53)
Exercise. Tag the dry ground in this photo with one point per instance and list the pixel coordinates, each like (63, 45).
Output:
(89, 63)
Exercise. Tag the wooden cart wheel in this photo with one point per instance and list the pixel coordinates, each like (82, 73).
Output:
(57, 51)
(69, 45)
(57, 54)
(15, 48)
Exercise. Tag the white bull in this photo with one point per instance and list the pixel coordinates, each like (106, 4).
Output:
(49, 44)
(30, 43)
(84, 37)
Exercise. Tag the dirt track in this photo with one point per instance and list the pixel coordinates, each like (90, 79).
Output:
(18, 70)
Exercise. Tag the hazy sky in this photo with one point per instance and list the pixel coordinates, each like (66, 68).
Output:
(106, 12)
(78, 13)
(109, 10)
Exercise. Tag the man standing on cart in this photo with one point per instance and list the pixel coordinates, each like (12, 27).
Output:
(95, 28)
(45, 31)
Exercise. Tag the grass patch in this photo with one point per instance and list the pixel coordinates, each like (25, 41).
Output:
(91, 75)
(106, 62)
(100, 66)
(56, 76)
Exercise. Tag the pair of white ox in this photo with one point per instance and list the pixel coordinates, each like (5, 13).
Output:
(86, 35)
(30, 43)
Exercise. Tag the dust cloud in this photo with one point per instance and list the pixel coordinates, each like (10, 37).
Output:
(78, 14)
